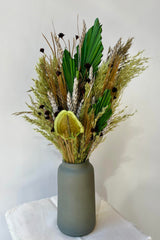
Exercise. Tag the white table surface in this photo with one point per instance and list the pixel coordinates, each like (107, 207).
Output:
(37, 221)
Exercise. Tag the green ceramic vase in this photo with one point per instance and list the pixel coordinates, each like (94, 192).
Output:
(76, 199)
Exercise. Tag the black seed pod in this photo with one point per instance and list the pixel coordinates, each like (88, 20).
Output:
(56, 113)
(47, 117)
(96, 129)
(52, 129)
(83, 91)
(91, 138)
(76, 37)
(92, 130)
(87, 66)
(61, 35)
(60, 108)
(39, 113)
(41, 50)
(114, 97)
(41, 106)
(47, 112)
(58, 73)
(114, 89)
(101, 134)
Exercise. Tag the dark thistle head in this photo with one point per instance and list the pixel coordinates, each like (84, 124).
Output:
(60, 108)
(41, 106)
(56, 113)
(76, 37)
(88, 80)
(101, 134)
(47, 112)
(52, 129)
(114, 89)
(87, 66)
(41, 50)
(58, 73)
(61, 35)
(47, 117)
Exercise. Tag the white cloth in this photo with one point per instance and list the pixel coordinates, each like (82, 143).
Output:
(37, 221)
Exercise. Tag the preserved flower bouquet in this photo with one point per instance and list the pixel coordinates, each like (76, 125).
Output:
(76, 95)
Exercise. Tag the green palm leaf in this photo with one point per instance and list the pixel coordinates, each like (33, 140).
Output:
(102, 122)
(69, 70)
(92, 48)
(91, 53)
(102, 102)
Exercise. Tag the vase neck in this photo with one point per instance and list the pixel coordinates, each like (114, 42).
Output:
(75, 165)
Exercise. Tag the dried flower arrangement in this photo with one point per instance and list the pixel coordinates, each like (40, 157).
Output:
(77, 96)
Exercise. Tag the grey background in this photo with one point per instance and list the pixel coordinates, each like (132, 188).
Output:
(127, 164)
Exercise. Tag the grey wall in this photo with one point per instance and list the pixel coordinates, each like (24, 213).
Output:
(127, 164)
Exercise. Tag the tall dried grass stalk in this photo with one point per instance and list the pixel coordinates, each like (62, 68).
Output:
(75, 95)
(69, 102)
(73, 47)
(79, 108)
(53, 42)
(62, 91)
(52, 82)
(48, 44)
(82, 37)
(59, 49)
(53, 103)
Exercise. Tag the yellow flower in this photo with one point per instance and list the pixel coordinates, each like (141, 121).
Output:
(67, 125)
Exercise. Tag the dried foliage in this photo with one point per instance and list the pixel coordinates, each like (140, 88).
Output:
(74, 80)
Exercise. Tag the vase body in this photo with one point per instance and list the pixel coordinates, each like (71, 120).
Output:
(76, 198)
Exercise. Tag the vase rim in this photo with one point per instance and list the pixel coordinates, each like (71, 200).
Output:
(75, 164)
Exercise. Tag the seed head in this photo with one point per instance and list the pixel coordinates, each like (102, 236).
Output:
(41, 50)
(61, 35)
(114, 89)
